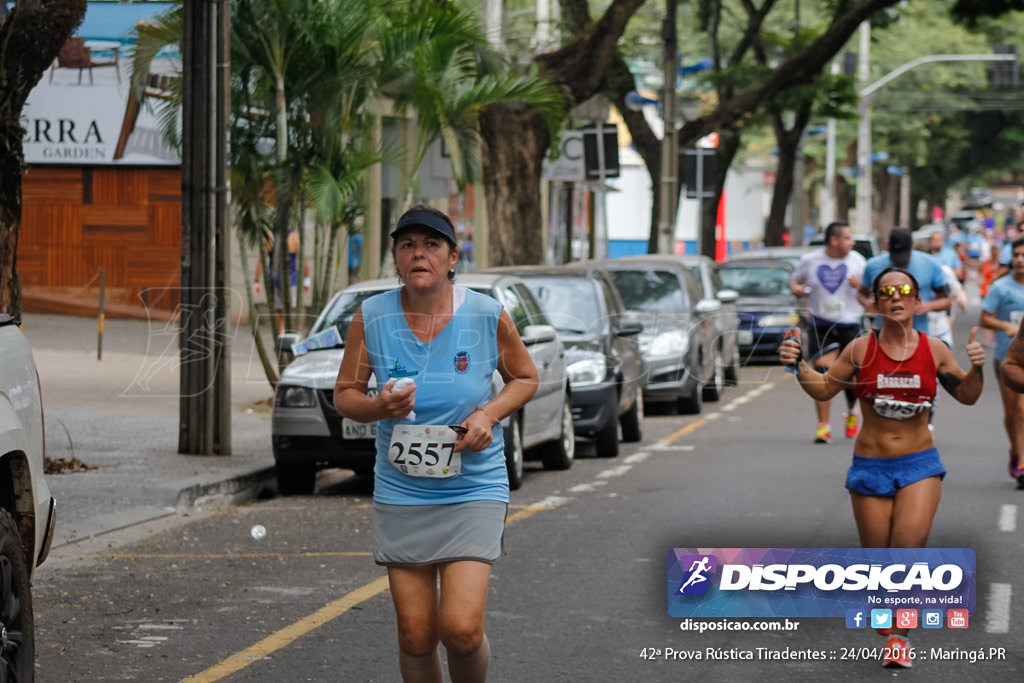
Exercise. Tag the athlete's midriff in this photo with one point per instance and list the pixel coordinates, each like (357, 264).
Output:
(882, 437)
(895, 398)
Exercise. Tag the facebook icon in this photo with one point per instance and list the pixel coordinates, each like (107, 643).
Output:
(855, 618)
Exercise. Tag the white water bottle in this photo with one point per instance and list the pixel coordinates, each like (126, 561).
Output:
(402, 383)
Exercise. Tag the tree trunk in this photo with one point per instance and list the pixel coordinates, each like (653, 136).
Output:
(788, 143)
(31, 35)
(728, 145)
(844, 188)
(515, 141)
(888, 188)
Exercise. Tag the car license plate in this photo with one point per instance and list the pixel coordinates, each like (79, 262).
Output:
(350, 429)
(744, 337)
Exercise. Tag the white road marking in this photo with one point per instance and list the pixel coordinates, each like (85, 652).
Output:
(614, 472)
(997, 619)
(138, 643)
(639, 456)
(551, 502)
(1008, 517)
(662, 446)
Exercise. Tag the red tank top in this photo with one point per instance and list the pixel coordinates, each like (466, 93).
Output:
(911, 380)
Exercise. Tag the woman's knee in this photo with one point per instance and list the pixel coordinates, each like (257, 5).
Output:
(462, 635)
(417, 638)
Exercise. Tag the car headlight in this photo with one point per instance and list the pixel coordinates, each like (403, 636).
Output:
(673, 343)
(290, 396)
(779, 320)
(586, 372)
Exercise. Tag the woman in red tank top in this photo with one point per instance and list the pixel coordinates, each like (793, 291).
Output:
(895, 479)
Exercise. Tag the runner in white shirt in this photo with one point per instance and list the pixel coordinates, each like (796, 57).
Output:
(829, 278)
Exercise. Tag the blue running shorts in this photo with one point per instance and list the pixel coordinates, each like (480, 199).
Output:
(885, 476)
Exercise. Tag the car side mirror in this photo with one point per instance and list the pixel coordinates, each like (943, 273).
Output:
(628, 328)
(708, 306)
(727, 296)
(284, 342)
(538, 334)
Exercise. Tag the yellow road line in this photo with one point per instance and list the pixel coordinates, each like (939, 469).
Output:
(683, 431)
(279, 639)
(527, 511)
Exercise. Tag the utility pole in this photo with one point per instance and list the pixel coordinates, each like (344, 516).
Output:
(864, 223)
(828, 204)
(668, 191)
(204, 426)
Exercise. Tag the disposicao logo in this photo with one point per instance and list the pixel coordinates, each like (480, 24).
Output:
(696, 581)
(822, 582)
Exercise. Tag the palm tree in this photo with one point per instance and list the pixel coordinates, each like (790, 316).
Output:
(305, 77)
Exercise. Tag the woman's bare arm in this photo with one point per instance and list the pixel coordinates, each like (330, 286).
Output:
(817, 385)
(964, 386)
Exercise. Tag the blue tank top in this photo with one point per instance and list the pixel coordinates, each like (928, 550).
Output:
(453, 375)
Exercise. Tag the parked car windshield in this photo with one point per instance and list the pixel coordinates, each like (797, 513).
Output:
(757, 280)
(649, 290)
(568, 301)
(343, 310)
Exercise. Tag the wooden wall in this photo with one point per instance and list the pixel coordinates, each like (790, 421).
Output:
(76, 220)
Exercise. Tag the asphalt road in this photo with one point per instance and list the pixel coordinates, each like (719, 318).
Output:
(580, 592)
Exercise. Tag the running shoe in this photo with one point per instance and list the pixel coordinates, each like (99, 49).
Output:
(1020, 481)
(896, 654)
(852, 426)
(824, 433)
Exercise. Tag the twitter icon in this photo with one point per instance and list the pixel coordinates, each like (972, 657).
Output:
(881, 618)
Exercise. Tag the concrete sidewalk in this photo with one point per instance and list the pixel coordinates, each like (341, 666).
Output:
(120, 415)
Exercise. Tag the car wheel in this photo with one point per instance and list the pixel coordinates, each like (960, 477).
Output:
(692, 404)
(713, 389)
(363, 471)
(514, 454)
(17, 645)
(558, 455)
(632, 421)
(608, 439)
(732, 370)
(295, 480)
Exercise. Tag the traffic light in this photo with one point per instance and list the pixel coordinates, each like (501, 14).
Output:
(1005, 74)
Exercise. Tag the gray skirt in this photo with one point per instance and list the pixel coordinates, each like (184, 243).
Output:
(415, 535)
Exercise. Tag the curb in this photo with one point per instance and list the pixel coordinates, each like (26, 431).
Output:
(231, 491)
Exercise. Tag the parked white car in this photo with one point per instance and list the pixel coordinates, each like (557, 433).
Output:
(309, 434)
(27, 510)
